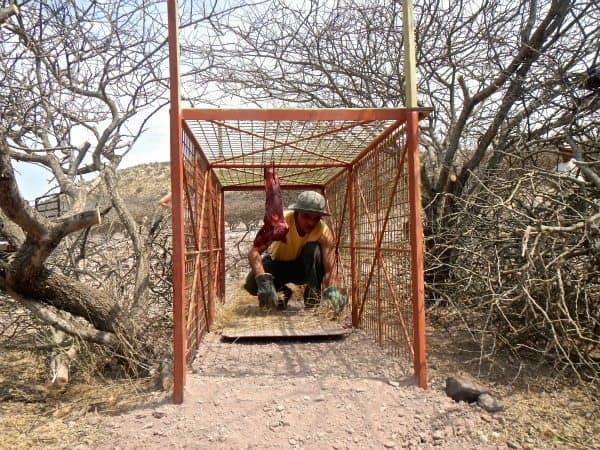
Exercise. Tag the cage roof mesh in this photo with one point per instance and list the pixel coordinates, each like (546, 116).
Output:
(308, 147)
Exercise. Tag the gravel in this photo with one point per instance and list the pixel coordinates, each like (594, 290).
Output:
(339, 394)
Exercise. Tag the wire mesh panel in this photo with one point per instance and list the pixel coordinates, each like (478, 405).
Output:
(363, 159)
(203, 243)
(309, 147)
(336, 195)
(381, 244)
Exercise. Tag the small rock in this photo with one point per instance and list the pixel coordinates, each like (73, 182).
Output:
(158, 414)
(92, 420)
(389, 444)
(513, 445)
(393, 383)
(293, 441)
(464, 388)
(489, 403)
(280, 408)
(438, 435)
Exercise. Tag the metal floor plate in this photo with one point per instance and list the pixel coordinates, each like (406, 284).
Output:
(283, 332)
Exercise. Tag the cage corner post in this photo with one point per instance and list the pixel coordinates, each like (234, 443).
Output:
(179, 328)
(353, 257)
(416, 244)
(222, 267)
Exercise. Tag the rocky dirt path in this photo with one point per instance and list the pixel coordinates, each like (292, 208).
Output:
(327, 394)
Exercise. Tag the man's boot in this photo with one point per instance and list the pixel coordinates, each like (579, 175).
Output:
(286, 294)
(267, 295)
(312, 297)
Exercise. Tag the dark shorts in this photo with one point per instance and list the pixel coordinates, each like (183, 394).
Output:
(306, 269)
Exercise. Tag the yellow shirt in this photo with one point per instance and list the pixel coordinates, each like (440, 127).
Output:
(290, 250)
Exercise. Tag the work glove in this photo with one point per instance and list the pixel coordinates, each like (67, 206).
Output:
(335, 299)
(267, 295)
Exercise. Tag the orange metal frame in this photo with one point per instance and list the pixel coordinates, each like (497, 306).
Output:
(365, 161)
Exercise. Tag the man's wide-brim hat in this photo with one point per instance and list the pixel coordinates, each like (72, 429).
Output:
(310, 202)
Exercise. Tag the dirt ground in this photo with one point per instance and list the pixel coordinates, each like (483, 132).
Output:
(317, 394)
(342, 393)
(338, 394)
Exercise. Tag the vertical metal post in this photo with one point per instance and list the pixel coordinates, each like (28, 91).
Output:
(221, 293)
(377, 247)
(212, 267)
(179, 334)
(197, 293)
(416, 247)
(352, 231)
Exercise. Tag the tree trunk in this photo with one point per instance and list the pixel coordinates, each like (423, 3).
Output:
(52, 288)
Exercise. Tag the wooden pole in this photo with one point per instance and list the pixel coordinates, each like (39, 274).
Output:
(414, 192)
(410, 59)
(179, 328)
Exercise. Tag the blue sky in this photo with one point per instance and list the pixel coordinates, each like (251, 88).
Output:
(153, 146)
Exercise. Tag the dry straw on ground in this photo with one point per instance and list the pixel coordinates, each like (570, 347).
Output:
(36, 414)
(241, 312)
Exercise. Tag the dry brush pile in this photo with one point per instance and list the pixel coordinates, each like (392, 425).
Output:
(520, 265)
(104, 259)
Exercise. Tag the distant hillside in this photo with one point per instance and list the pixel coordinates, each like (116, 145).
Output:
(143, 185)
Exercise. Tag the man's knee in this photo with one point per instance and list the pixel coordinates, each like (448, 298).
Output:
(311, 252)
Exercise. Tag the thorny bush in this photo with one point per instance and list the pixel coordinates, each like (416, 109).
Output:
(521, 254)
(103, 258)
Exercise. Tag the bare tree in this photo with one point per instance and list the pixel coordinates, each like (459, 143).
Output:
(80, 81)
(509, 82)
(494, 72)
(75, 77)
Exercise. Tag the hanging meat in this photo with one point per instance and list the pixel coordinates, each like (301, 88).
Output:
(274, 226)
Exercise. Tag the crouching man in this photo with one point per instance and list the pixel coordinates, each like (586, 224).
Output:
(307, 257)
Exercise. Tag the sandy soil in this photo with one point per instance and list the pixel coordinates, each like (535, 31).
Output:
(343, 393)
(338, 394)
